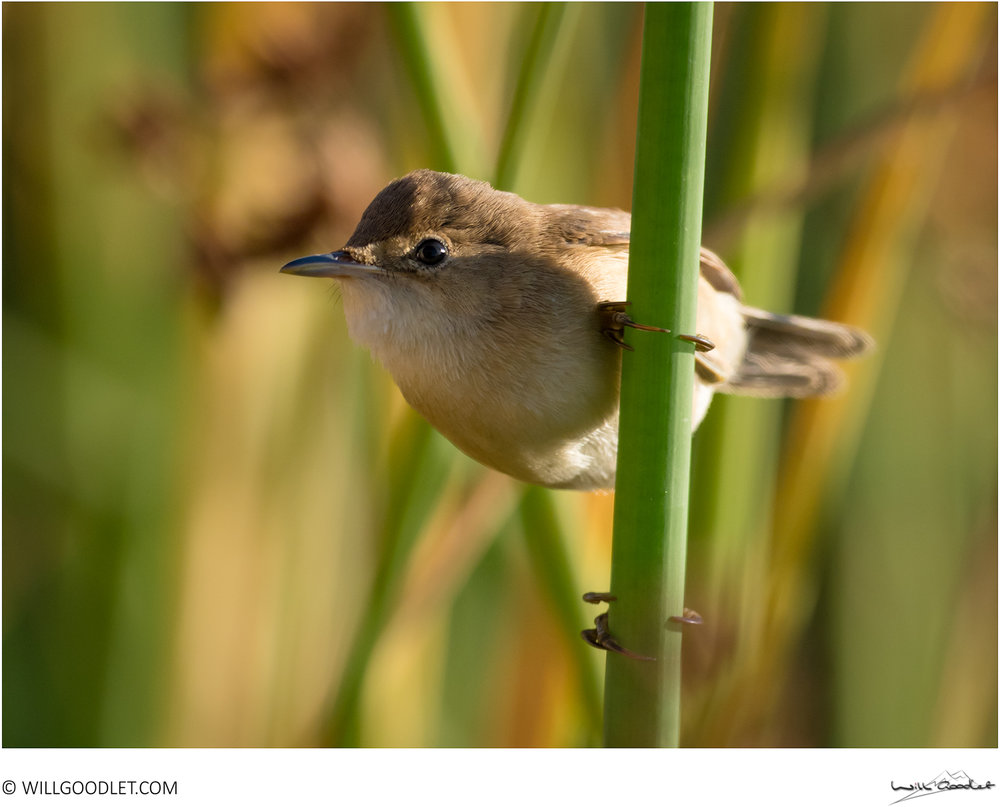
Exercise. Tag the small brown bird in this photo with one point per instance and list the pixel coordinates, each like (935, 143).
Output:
(500, 322)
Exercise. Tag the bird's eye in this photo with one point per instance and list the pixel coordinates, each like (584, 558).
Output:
(430, 252)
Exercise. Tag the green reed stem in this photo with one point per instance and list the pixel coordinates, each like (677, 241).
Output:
(642, 698)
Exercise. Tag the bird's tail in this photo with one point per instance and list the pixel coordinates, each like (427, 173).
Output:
(791, 356)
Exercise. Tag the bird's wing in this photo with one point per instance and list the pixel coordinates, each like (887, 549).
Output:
(607, 227)
(591, 226)
(718, 275)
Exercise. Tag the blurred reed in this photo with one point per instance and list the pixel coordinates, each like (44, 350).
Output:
(223, 526)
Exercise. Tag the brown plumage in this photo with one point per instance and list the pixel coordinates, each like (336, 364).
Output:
(485, 309)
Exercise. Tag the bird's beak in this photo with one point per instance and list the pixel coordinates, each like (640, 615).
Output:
(330, 264)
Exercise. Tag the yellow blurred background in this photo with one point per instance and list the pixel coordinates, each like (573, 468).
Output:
(223, 526)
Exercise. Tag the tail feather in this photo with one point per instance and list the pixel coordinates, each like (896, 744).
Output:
(815, 336)
(789, 356)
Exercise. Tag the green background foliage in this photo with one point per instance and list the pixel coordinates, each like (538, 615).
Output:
(222, 525)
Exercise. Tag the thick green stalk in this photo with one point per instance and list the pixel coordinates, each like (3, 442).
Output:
(642, 698)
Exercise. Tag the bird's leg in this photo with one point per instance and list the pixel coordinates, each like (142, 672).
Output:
(599, 636)
(614, 321)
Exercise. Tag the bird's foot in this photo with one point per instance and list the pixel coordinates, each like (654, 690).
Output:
(615, 320)
(599, 636)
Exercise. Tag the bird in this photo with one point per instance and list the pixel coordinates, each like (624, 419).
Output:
(502, 320)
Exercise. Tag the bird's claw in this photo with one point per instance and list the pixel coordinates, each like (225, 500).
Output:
(701, 343)
(595, 597)
(690, 617)
(599, 636)
(616, 320)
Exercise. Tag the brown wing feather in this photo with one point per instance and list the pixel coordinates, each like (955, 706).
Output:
(789, 355)
(591, 226)
(786, 355)
(718, 274)
(774, 332)
(606, 226)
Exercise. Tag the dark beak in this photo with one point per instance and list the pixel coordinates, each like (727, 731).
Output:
(330, 264)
